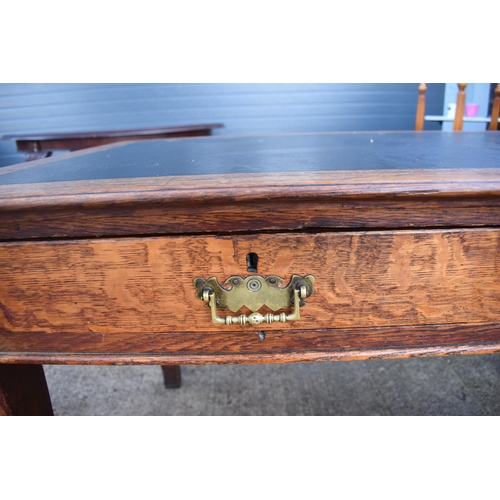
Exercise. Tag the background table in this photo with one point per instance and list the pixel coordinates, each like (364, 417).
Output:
(36, 146)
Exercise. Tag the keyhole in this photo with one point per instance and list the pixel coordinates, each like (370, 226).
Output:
(252, 261)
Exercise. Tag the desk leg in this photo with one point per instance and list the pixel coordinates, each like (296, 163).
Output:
(37, 156)
(171, 376)
(24, 391)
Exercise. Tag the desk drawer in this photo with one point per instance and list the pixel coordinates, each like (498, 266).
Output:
(116, 291)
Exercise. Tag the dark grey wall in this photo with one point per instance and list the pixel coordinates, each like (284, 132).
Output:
(243, 108)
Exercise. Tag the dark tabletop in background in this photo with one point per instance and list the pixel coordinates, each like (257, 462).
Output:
(270, 153)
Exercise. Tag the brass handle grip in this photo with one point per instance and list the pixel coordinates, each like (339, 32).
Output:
(256, 318)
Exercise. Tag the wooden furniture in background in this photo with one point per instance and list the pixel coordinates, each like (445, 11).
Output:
(36, 146)
(419, 121)
(495, 110)
(99, 250)
(459, 118)
(460, 109)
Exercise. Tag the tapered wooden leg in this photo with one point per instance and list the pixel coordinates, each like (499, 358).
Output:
(24, 391)
(171, 376)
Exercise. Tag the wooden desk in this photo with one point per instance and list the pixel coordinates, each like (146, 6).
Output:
(36, 146)
(101, 250)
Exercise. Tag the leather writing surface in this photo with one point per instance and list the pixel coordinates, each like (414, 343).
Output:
(272, 153)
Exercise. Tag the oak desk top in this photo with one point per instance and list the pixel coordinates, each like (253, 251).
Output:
(298, 181)
(100, 248)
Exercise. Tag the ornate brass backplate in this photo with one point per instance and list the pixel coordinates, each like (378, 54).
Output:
(253, 292)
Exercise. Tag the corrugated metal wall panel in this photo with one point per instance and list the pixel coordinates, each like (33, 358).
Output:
(243, 108)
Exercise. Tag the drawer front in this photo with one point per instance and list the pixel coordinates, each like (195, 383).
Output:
(145, 285)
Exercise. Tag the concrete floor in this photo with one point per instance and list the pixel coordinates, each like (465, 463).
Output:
(461, 385)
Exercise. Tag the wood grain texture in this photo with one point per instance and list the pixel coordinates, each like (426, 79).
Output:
(261, 202)
(130, 298)
(399, 180)
(369, 279)
(245, 347)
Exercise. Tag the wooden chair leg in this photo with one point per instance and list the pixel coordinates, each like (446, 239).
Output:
(495, 111)
(419, 120)
(460, 109)
(24, 391)
(171, 376)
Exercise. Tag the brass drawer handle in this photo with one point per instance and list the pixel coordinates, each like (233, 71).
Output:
(254, 292)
